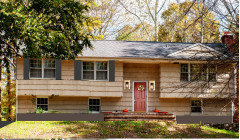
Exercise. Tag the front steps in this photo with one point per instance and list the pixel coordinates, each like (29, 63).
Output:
(130, 116)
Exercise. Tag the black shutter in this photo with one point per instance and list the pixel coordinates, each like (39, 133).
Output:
(77, 69)
(111, 70)
(58, 69)
(25, 68)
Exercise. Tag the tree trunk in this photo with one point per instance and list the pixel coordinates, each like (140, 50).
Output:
(0, 83)
(155, 21)
(201, 11)
(8, 84)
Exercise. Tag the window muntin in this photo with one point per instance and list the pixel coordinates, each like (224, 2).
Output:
(198, 72)
(95, 70)
(42, 103)
(42, 68)
(94, 105)
(196, 106)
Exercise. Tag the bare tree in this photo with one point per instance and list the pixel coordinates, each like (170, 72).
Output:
(108, 12)
(147, 11)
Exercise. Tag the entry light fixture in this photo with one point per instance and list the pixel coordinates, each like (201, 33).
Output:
(152, 85)
(126, 84)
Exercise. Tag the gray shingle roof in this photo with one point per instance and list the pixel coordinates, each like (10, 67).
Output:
(137, 49)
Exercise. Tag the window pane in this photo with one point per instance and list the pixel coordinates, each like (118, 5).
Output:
(101, 65)
(34, 63)
(94, 108)
(45, 100)
(36, 73)
(49, 63)
(195, 70)
(196, 109)
(88, 75)
(212, 77)
(184, 76)
(212, 69)
(198, 72)
(196, 103)
(49, 73)
(38, 101)
(101, 75)
(184, 68)
(88, 65)
(90, 102)
(44, 107)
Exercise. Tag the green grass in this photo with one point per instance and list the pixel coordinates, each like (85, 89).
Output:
(221, 131)
(111, 129)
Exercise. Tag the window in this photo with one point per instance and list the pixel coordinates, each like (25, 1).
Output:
(42, 68)
(49, 68)
(196, 106)
(184, 72)
(95, 70)
(198, 72)
(94, 105)
(35, 68)
(42, 103)
(212, 74)
(101, 71)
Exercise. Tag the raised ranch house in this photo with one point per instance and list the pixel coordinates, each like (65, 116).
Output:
(137, 76)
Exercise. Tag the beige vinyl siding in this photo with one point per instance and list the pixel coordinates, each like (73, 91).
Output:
(172, 87)
(141, 72)
(217, 107)
(211, 107)
(25, 104)
(60, 104)
(68, 86)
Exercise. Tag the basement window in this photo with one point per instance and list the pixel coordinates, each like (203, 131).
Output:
(94, 105)
(196, 106)
(42, 103)
(40, 68)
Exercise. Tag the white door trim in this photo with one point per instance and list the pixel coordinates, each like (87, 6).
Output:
(134, 96)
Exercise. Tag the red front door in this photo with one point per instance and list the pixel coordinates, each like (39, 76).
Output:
(140, 97)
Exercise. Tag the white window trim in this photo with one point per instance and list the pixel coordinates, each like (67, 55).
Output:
(42, 68)
(42, 104)
(95, 71)
(99, 104)
(192, 113)
(189, 74)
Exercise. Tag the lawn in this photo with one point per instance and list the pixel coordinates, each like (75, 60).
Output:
(111, 129)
